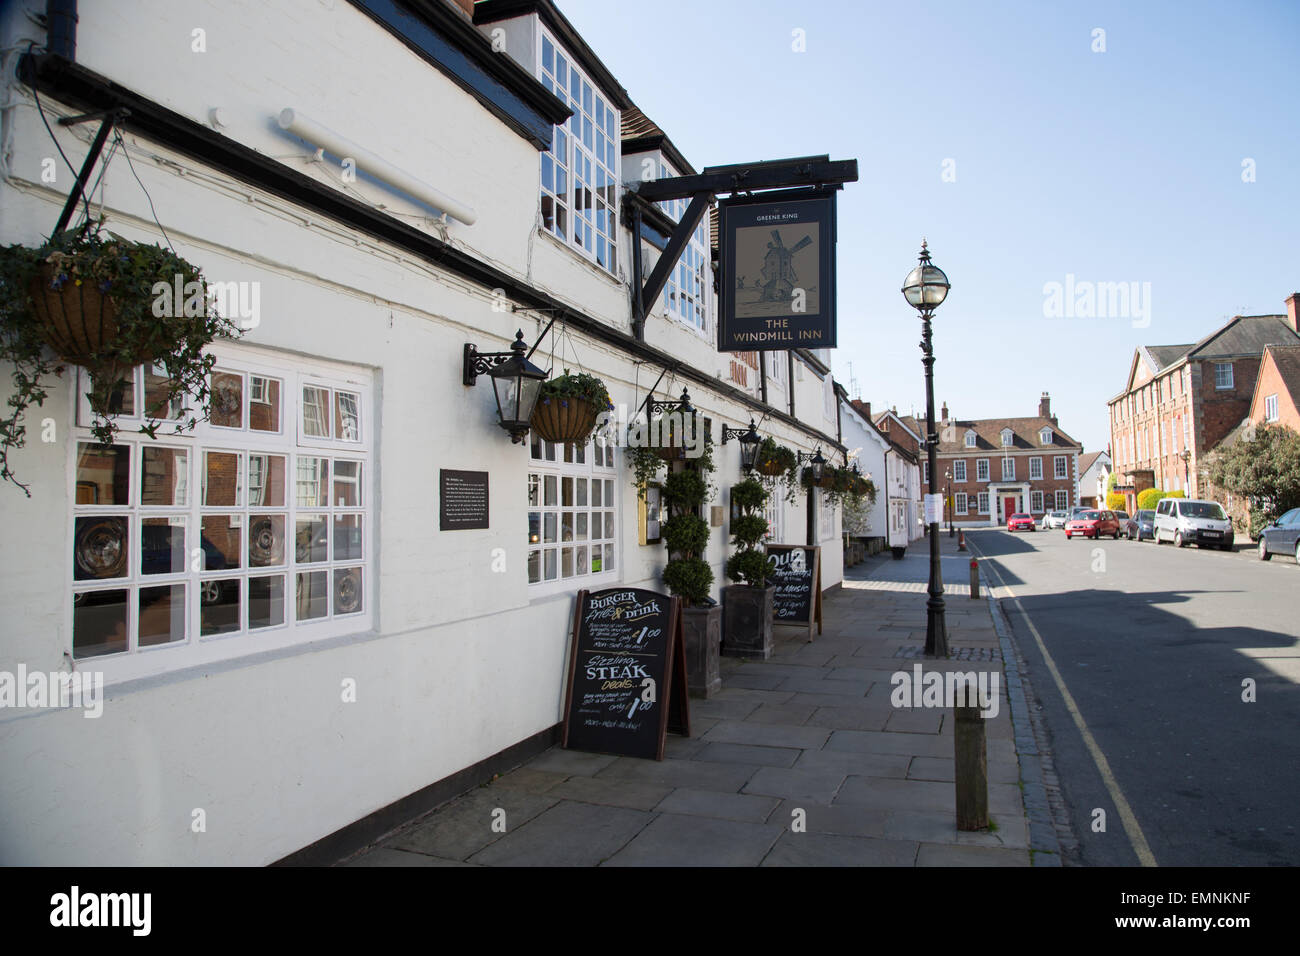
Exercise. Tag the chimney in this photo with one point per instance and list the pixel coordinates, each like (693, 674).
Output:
(1045, 406)
(943, 412)
(1293, 306)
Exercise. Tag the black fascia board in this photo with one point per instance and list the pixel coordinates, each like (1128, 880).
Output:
(767, 175)
(652, 142)
(447, 41)
(492, 11)
(75, 85)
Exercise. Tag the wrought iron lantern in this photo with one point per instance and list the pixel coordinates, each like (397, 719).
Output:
(749, 442)
(516, 383)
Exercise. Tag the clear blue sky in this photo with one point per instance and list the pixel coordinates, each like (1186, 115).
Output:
(1115, 166)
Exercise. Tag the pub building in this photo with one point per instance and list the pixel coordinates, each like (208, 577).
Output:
(321, 601)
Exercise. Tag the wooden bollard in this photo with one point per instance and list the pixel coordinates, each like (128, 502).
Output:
(974, 578)
(970, 771)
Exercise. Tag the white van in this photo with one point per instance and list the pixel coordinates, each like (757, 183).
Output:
(1187, 521)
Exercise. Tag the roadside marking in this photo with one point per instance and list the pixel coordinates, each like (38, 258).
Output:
(1126, 815)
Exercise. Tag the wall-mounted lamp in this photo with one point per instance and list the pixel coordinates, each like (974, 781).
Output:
(516, 382)
(653, 406)
(816, 463)
(749, 442)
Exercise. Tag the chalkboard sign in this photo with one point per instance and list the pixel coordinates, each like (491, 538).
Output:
(627, 673)
(798, 580)
(464, 500)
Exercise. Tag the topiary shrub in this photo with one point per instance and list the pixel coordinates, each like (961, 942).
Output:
(749, 564)
(1115, 501)
(686, 535)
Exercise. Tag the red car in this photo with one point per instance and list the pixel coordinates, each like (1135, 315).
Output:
(1021, 523)
(1093, 524)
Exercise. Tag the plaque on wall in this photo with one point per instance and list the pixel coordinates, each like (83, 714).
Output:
(462, 500)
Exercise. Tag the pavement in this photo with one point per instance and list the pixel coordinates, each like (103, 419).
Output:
(800, 760)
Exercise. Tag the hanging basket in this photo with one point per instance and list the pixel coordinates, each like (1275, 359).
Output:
(564, 420)
(79, 323)
(772, 467)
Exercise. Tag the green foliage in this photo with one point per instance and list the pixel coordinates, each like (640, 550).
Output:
(685, 533)
(751, 567)
(1115, 501)
(645, 465)
(1264, 470)
(1110, 484)
(1148, 499)
(586, 387)
(689, 579)
(685, 489)
(749, 564)
(777, 468)
(147, 330)
(1175, 494)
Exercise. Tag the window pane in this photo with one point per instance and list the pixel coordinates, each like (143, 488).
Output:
(315, 405)
(222, 487)
(162, 546)
(347, 590)
(347, 484)
(266, 480)
(100, 549)
(347, 418)
(566, 563)
(549, 486)
(155, 394)
(313, 482)
(311, 539)
(549, 528)
(609, 557)
(550, 564)
(595, 493)
(264, 404)
(609, 524)
(582, 526)
(103, 474)
(534, 567)
(221, 541)
(227, 400)
(566, 489)
(219, 606)
(265, 541)
(162, 615)
(347, 538)
(595, 558)
(534, 527)
(98, 623)
(580, 560)
(566, 526)
(312, 600)
(164, 476)
(265, 602)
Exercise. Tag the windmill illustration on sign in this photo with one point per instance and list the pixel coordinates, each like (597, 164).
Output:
(779, 276)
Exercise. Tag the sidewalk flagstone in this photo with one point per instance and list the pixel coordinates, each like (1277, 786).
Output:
(800, 760)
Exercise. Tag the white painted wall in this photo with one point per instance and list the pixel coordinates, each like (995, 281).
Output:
(461, 662)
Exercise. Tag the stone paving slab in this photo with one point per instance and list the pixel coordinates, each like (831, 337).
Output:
(857, 764)
(465, 826)
(820, 849)
(727, 778)
(568, 834)
(767, 735)
(614, 793)
(790, 714)
(932, 854)
(386, 856)
(744, 807)
(815, 786)
(817, 818)
(866, 741)
(679, 840)
(749, 754)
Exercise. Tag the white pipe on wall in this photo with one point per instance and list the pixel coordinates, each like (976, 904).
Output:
(313, 132)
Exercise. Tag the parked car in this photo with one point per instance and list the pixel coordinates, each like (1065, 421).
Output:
(1021, 523)
(1092, 524)
(1186, 521)
(1281, 537)
(1055, 519)
(1122, 518)
(1141, 525)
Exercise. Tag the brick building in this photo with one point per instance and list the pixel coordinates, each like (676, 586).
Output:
(996, 467)
(1182, 400)
(1277, 390)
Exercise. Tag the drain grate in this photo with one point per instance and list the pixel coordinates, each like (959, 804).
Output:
(954, 653)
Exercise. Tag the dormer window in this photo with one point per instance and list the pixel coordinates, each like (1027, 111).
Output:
(970, 439)
(1007, 437)
(1045, 436)
(579, 186)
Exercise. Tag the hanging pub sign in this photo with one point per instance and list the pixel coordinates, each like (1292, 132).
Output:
(627, 673)
(777, 289)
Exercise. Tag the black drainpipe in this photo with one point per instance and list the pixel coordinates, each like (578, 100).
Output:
(61, 28)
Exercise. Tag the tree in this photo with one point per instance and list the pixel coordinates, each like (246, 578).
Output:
(1265, 470)
(1110, 483)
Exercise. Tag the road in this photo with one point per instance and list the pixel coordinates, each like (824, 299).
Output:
(1140, 656)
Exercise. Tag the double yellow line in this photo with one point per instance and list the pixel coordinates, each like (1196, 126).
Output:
(1126, 815)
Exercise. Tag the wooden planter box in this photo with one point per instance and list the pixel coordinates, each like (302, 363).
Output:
(747, 621)
(702, 627)
(564, 420)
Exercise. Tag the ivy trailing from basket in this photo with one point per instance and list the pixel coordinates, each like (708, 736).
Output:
(749, 564)
(777, 468)
(91, 298)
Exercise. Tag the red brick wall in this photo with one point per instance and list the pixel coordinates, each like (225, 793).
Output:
(1271, 383)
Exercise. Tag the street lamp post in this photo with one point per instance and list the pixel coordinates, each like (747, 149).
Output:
(947, 492)
(925, 288)
(1186, 456)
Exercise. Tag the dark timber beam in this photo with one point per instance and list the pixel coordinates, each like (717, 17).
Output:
(646, 297)
(816, 171)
